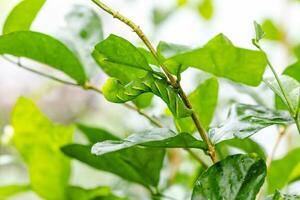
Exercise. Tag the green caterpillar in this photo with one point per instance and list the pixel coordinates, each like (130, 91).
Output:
(115, 91)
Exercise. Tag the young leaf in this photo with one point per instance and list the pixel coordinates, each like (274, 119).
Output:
(115, 91)
(134, 164)
(284, 171)
(204, 101)
(44, 49)
(22, 16)
(245, 120)
(39, 140)
(236, 177)
(96, 134)
(158, 137)
(291, 88)
(272, 32)
(121, 52)
(221, 58)
(10, 190)
(206, 9)
(259, 33)
(293, 71)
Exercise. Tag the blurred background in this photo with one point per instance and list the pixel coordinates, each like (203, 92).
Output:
(187, 22)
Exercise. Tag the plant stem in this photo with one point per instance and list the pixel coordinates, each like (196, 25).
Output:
(173, 81)
(295, 115)
(38, 72)
(271, 156)
(89, 86)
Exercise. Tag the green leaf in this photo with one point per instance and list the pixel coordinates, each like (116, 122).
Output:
(10, 190)
(135, 164)
(291, 88)
(221, 58)
(236, 177)
(280, 196)
(272, 32)
(259, 33)
(206, 9)
(293, 71)
(115, 91)
(296, 51)
(118, 51)
(96, 134)
(284, 171)
(246, 145)
(158, 137)
(168, 50)
(204, 101)
(22, 16)
(38, 141)
(44, 49)
(149, 57)
(182, 2)
(103, 193)
(245, 120)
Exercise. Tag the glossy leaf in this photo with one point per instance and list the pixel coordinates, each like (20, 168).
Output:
(236, 177)
(22, 16)
(134, 164)
(280, 196)
(158, 137)
(284, 171)
(10, 190)
(96, 134)
(221, 58)
(115, 91)
(118, 51)
(44, 49)
(291, 88)
(204, 101)
(206, 9)
(38, 141)
(245, 120)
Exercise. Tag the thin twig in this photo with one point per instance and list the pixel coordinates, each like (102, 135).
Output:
(173, 81)
(294, 114)
(280, 135)
(39, 73)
